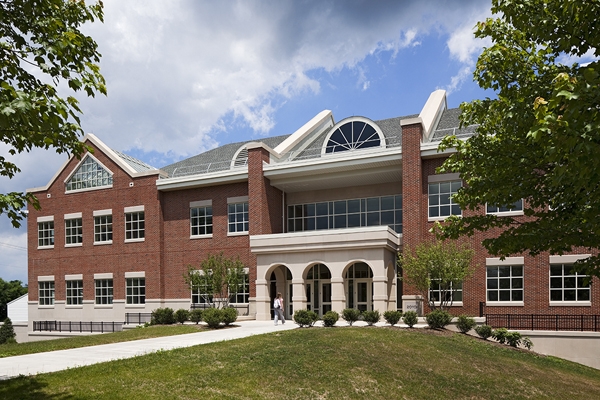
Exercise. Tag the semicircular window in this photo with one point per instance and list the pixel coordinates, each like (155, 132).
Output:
(353, 135)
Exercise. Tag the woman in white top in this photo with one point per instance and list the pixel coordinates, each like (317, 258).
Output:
(278, 307)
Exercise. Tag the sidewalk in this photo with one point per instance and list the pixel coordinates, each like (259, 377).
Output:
(39, 363)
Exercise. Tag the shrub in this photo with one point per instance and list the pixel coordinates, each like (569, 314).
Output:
(513, 339)
(465, 323)
(330, 318)
(162, 316)
(484, 331)
(229, 315)
(438, 319)
(182, 315)
(213, 317)
(196, 315)
(410, 318)
(305, 318)
(392, 316)
(500, 335)
(527, 343)
(371, 317)
(350, 315)
(7, 332)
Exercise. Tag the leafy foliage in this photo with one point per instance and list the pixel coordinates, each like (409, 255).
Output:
(8, 292)
(41, 42)
(484, 331)
(539, 139)
(305, 318)
(229, 315)
(441, 263)
(371, 317)
(500, 335)
(330, 318)
(182, 315)
(392, 316)
(7, 332)
(438, 319)
(196, 315)
(465, 323)
(350, 315)
(162, 316)
(213, 317)
(410, 318)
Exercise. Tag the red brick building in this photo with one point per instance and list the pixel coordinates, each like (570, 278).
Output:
(319, 215)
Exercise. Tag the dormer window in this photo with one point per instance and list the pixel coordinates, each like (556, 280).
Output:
(90, 174)
(356, 134)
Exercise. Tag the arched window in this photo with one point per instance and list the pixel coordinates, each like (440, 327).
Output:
(353, 135)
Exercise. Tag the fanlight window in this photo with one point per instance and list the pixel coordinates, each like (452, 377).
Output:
(353, 135)
(90, 174)
(241, 160)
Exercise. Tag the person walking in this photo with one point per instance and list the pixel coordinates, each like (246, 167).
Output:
(278, 307)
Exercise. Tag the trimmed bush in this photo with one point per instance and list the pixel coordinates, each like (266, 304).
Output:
(484, 331)
(7, 332)
(305, 318)
(371, 317)
(392, 316)
(527, 343)
(513, 339)
(438, 319)
(330, 318)
(213, 317)
(196, 315)
(162, 316)
(350, 315)
(410, 318)
(229, 315)
(182, 315)
(500, 335)
(465, 323)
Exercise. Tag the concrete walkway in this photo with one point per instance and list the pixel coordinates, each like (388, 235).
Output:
(53, 361)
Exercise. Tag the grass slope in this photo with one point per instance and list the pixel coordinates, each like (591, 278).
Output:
(373, 363)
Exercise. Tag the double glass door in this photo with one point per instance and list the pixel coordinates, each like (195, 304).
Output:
(359, 294)
(318, 296)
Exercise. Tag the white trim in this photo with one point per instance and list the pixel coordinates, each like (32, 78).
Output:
(135, 240)
(207, 236)
(45, 278)
(133, 209)
(238, 199)
(74, 215)
(102, 243)
(138, 274)
(201, 203)
(100, 213)
(73, 244)
(443, 178)
(74, 170)
(107, 275)
(74, 277)
(506, 213)
(504, 304)
(568, 259)
(495, 262)
(49, 218)
(411, 121)
(571, 303)
(291, 141)
(432, 111)
(242, 233)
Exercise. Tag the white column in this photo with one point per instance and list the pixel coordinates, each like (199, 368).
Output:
(299, 297)
(380, 298)
(338, 297)
(263, 312)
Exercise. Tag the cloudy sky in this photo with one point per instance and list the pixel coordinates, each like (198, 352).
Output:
(186, 76)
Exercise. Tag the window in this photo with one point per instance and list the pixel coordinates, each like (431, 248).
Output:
(134, 225)
(452, 294)
(568, 285)
(46, 293)
(45, 233)
(74, 292)
(517, 207)
(73, 231)
(103, 228)
(238, 217)
(104, 291)
(90, 174)
(200, 295)
(441, 203)
(352, 135)
(136, 290)
(201, 221)
(505, 283)
(243, 293)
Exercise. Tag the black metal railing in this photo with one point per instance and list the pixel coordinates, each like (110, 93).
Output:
(540, 322)
(77, 326)
(137, 318)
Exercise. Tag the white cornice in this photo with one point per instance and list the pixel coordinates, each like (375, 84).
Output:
(193, 181)
(306, 129)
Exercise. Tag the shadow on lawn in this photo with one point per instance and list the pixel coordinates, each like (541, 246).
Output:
(28, 387)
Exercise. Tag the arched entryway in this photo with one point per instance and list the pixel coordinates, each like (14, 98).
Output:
(281, 281)
(318, 289)
(358, 285)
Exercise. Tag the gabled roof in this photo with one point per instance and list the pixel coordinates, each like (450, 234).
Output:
(449, 124)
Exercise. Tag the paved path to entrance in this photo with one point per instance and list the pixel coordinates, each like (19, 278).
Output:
(32, 364)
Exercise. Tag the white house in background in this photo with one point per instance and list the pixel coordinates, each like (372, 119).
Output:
(17, 309)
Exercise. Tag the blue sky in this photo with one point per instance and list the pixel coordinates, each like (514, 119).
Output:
(186, 76)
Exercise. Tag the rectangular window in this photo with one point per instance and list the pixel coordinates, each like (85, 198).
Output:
(46, 234)
(46, 293)
(103, 228)
(73, 231)
(238, 217)
(566, 284)
(243, 293)
(505, 283)
(136, 290)
(200, 295)
(201, 221)
(517, 207)
(452, 294)
(74, 292)
(104, 291)
(134, 226)
(441, 203)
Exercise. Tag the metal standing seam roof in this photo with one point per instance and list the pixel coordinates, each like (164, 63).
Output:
(137, 165)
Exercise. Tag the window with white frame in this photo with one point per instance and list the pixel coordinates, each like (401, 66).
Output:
(505, 283)
(46, 293)
(201, 220)
(104, 291)
(134, 225)
(441, 203)
(89, 174)
(45, 233)
(74, 292)
(451, 294)
(135, 290)
(73, 231)
(201, 295)
(567, 284)
(243, 292)
(513, 208)
(103, 231)
(238, 217)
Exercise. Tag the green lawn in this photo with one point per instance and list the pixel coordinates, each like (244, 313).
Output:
(333, 363)
(8, 350)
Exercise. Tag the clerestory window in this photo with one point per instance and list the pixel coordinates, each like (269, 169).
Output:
(90, 174)
(353, 135)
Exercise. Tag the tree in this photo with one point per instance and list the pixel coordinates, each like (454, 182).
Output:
(42, 47)
(217, 277)
(539, 140)
(7, 332)
(8, 292)
(442, 265)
